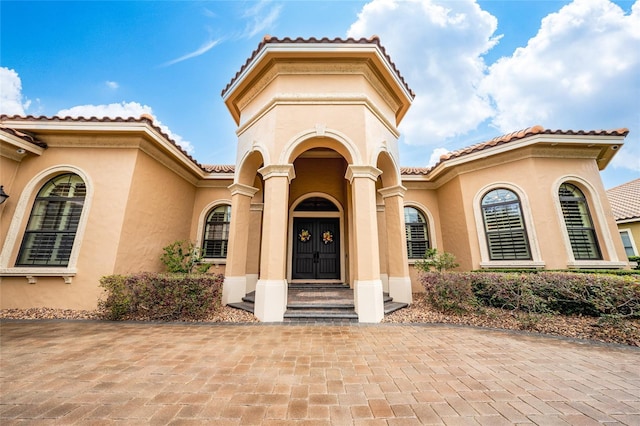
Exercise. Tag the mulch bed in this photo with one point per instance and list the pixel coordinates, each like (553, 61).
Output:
(621, 331)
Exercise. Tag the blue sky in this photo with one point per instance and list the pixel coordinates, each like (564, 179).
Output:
(479, 68)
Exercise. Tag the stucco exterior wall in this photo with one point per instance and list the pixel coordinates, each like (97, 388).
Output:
(536, 180)
(158, 212)
(634, 228)
(108, 174)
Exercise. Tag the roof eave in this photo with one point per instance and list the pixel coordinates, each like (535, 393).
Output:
(143, 127)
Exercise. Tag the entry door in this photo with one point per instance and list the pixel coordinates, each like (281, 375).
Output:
(316, 249)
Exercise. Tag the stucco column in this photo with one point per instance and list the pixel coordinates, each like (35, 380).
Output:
(398, 262)
(369, 300)
(235, 281)
(271, 288)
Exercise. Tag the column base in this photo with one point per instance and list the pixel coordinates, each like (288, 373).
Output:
(400, 289)
(233, 289)
(369, 301)
(271, 300)
(252, 280)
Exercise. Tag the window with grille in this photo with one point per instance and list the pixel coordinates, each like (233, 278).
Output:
(504, 226)
(216, 233)
(415, 226)
(578, 223)
(627, 242)
(51, 230)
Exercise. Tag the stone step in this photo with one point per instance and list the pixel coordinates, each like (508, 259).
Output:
(320, 315)
(392, 306)
(336, 306)
(245, 306)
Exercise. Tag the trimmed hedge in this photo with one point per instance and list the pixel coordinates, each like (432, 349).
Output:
(164, 297)
(542, 292)
(622, 272)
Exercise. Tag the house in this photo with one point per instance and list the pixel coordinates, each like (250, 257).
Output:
(317, 192)
(625, 204)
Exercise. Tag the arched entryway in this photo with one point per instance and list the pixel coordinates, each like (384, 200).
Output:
(316, 242)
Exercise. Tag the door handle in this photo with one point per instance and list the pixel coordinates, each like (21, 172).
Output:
(316, 257)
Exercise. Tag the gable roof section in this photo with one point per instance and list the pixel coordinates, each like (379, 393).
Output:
(515, 139)
(20, 125)
(625, 201)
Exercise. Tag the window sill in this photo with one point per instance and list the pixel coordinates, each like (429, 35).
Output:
(596, 264)
(512, 264)
(215, 261)
(32, 274)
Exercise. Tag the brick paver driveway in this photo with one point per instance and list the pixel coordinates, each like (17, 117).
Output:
(64, 372)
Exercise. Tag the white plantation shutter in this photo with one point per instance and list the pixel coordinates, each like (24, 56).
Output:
(415, 226)
(578, 222)
(216, 233)
(51, 231)
(504, 226)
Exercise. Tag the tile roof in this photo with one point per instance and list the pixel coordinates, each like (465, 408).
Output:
(24, 136)
(219, 168)
(530, 131)
(144, 118)
(509, 138)
(325, 40)
(625, 200)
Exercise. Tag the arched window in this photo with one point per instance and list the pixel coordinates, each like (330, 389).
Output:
(216, 232)
(504, 226)
(415, 226)
(578, 223)
(51, 231)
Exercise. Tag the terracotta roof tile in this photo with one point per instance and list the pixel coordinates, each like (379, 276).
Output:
(144, 118)
(521, 134)
(416, 171)
(625, 200)
(24, 136)
(299, 40)
(219, 168)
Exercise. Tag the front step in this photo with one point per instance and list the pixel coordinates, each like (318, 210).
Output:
(319, 302)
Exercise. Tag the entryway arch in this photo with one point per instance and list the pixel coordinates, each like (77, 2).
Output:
(315, 235)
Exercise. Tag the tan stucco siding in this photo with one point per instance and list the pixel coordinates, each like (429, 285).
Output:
(108, 173)
(159, 211)
(634, 229)
(535, 180)
(321, 175)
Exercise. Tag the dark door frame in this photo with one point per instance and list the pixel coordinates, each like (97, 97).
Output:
(317, 214)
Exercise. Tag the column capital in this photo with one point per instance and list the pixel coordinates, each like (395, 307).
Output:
(369, 172)
(274, 170)
(240, 189)
(393, 191)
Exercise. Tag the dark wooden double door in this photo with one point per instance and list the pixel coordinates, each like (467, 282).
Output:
(316, 249)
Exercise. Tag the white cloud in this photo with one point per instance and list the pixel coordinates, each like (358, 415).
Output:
(581, 70)
(435, 156)
(124, 110)
(112, 84)
(11, 99)
(208, 45)
(438, 46)
(261, 17)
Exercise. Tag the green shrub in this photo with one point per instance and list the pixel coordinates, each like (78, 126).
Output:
(436, 260)
(635, 259)
(165, 297)
(448, 292)
(542, 292)
(183, 257)
(117, 302)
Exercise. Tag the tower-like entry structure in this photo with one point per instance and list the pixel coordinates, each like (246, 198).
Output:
(317, 194)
